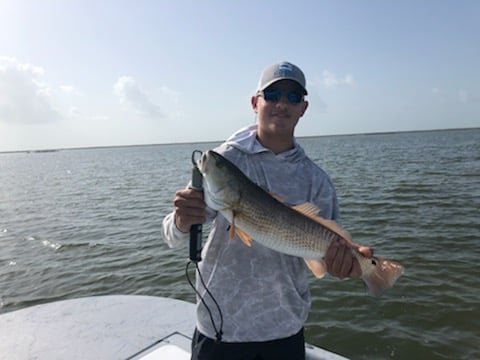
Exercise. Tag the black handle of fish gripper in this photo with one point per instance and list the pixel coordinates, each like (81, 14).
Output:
(196, 229)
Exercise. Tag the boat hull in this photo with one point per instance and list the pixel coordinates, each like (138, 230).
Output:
(107, 327)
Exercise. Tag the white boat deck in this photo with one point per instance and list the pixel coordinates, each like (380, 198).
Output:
(107, 327)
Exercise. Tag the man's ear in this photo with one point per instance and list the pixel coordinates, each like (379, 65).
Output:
(253, 101)
(305, 106)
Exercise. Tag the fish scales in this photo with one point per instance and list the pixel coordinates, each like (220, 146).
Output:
(299, 231)
(271, 220)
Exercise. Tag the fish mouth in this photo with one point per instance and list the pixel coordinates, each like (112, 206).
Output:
(215, 155)
(203, 162)
(213, 184)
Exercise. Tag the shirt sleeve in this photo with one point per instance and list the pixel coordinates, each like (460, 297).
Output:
(171, 234)
(176, 238)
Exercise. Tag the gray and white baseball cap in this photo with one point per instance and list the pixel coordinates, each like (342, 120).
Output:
(281, 71)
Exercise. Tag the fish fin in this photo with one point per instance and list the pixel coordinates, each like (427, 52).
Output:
(317, 266)
(232, 227)
(235, 230)
(382, 276)
(307, 209)
(278, 198)
(246, 239)
(232, 232)
(311, 211)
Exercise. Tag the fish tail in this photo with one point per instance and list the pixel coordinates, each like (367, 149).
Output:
(382, 276)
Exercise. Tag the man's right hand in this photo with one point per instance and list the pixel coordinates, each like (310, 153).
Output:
(189, 209)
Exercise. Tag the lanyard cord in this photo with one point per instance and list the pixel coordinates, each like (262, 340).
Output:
(218, 332)
(196, 251)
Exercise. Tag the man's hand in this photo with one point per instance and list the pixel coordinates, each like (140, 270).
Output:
(341, 262)
(189, 209)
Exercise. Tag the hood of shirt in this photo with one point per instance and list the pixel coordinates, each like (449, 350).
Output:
(246, 141)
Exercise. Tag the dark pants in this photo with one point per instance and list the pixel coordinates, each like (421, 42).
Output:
(291, 348)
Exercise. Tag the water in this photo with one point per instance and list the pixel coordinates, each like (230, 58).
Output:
(88, 222)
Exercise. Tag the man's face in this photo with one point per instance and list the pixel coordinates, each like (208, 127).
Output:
(280, 107)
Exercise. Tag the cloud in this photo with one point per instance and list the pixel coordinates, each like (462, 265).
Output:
(465, 97)
(77, 114)
(130, 93)
(69, 89)
(24, 97)
(331, 80)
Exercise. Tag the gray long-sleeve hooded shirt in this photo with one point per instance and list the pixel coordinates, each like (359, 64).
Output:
(263, 294)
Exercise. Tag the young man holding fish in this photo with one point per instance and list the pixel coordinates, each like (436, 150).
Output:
(262, 293)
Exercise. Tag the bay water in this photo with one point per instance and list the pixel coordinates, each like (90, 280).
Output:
(86, 222)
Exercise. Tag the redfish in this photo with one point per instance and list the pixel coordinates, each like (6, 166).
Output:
(256, 215)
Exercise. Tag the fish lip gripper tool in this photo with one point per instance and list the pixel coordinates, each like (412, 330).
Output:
(195, 253)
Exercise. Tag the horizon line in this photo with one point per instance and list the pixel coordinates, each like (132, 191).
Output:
(220, 141)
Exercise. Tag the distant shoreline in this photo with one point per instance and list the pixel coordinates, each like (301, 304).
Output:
(219, 141)
(390, 132)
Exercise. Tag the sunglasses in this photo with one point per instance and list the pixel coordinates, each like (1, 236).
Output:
(293, 97)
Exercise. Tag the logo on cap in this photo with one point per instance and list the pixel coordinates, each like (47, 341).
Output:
(284, 69)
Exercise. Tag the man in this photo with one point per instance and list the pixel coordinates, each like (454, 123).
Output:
(262, 294)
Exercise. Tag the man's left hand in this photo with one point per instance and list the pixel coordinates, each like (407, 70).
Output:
(341, 262)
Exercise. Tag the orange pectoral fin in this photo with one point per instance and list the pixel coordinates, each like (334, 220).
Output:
(247, 239)
(317, 266)
(232, 227)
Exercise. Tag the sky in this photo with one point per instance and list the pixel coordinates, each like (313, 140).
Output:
(109, 73)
